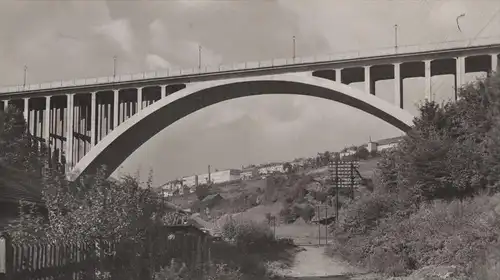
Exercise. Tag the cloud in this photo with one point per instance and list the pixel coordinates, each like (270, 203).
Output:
(156, 62)
(119, 31)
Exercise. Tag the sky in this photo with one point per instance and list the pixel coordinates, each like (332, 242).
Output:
(62, 40)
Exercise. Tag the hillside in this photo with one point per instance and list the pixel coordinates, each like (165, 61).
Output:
(292, 199)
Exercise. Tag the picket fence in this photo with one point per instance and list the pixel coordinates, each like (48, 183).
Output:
(85, 261)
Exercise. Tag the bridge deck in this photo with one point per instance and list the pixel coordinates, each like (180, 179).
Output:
(288, 63)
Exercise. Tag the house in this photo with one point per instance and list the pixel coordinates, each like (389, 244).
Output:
(272, 168)
(383, 144)
(348, 152)
(219, 177)
(248, 173)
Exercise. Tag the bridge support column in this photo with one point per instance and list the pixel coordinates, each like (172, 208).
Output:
(494, 63)
(428, 80)
(26, 112)
(93, 109)
(46, 124)
(368, 81)
(116, 102)
(338, 75)
(139, 99)
(459, 75)
(5, 105)
(70, 130)
(163, 90)
(398, 92)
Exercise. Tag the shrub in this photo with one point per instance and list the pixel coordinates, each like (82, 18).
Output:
(438, 233)
(247, 234)
(202, 191)
(287, 214)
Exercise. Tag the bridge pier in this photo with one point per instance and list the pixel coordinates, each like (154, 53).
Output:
(93, 113)
(428, 79)
(46, 125)
(69, 130)
(338, 75)
(139, 99)
(494, 62)
(369, 82)
(26, 109)
(163, 91)
(116, 100)
(459, 75)
(398, 89)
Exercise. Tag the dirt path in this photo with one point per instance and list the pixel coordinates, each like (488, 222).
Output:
(312, 263)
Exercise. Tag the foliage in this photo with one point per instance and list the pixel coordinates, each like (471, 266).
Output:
(438, 233)
(179, 271)
(202, 191)
(434, 200)
(361, 153)
(452, 150)
(247, 234)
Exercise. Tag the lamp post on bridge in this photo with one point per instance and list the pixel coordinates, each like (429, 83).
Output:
(25, 75)
(396, 38)
(114, 66)
(199, 56)
(293, 48)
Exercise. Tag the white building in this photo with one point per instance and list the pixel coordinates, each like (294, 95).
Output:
(349, 152)
(272, 168)
(219, 177)
(247, 173)
(383, 144)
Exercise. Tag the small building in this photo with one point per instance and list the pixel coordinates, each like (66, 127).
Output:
(272, 168)
(219, 177)
(383, 144)
(249, 173)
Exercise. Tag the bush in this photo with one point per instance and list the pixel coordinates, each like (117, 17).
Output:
(248, 235)
(433, 202)
(178, 271)
(438, 233)
(202, 191)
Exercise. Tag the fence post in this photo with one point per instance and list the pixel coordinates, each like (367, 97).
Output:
(6, 257)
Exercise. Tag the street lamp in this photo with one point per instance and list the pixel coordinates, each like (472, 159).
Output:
(396, 37)
(458, 24)
(25, 76)
(114, 66)
(293, 47)
(199, 56)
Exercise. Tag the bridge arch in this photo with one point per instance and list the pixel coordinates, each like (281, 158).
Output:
(121, 142)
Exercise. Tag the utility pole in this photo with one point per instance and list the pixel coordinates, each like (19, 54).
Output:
(114, 66)
(396, 38)
(293, 47)
(25, 77)
(209, 179)
(336, 191)
(199, 56)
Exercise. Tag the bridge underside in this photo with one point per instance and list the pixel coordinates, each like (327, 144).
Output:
(120, 143)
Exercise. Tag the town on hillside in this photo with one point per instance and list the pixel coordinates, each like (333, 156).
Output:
(189, 183)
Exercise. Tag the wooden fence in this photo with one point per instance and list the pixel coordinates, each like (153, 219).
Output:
(85, 261)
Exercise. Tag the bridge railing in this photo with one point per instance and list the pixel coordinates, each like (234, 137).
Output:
(481, 41)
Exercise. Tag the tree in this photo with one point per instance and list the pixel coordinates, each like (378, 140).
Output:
(288, 167)
(202, 191)
(452, 150)
(361, 153)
